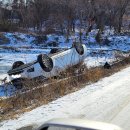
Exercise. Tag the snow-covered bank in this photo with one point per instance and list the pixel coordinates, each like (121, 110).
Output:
(25, 47)
(107, 100)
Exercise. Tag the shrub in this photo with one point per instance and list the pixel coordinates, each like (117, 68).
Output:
(7, 27)
(40, 39)
(3, 39)
(53, 44)
(89, 30)
(49, 31)
(98, 37)
(107, 41)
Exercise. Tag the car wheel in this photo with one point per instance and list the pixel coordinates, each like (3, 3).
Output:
(18, 83)
(17, 64)
(79, 48)
(45, 62)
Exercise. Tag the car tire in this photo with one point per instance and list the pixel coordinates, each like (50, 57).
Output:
(17, 64)
(45, 62)
(79, 48)
(14, 68)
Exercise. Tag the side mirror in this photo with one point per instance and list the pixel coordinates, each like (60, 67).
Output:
(77, 124)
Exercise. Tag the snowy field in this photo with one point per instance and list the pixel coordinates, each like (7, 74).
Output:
(107, 100)
(25, 47)
(22, 47)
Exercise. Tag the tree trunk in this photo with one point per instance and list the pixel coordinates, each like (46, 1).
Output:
(119, 24)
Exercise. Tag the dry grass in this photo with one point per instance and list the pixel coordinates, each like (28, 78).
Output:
(71, 80)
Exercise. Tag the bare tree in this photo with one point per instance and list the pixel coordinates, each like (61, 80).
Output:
(121, 6)
(63, 14)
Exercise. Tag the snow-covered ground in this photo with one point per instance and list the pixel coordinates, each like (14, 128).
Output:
(108, 100)
(23, 47)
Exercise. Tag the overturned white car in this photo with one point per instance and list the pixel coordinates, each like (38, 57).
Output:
(47, 65)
